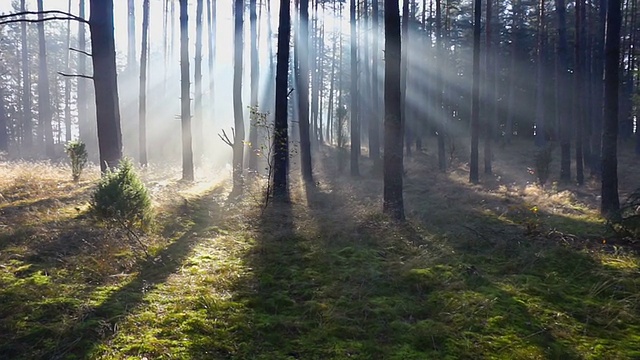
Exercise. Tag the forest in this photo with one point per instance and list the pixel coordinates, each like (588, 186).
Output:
(319, 179)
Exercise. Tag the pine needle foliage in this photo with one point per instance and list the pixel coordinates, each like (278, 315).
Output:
(122, 198)
(77, 152)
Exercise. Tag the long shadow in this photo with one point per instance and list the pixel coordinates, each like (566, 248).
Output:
(78, 338)
(338, 280)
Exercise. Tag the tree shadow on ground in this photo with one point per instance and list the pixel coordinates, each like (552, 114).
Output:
(91, 312)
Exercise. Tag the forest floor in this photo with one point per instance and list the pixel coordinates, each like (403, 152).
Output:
(500, 270)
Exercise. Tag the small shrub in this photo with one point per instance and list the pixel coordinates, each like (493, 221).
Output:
(122, 199)
(78, 154)
(629, 219)
(543, 159)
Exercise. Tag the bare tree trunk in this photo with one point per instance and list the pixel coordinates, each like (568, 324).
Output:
(475, 96)
(198, 141)
(238, 142)
(374, 121)
(67, 82)
(610, 203)
(106, 83)
(142, 110)
(490, 115)
(27, 115)
(540, 139)
(562, 84)
(355, 116)
(393, 139)
(44, 97)
(4, 136)
(131, 37)
(281, 137)
(185, 101)
(255, 79)
(577, 93)
(440, 115)
(303, 90)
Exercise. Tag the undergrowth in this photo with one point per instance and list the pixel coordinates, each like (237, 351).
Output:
(500, 270)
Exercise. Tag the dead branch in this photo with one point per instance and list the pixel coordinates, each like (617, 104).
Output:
(225, 138)
(76, 75)
(56, 16)
(81, 51)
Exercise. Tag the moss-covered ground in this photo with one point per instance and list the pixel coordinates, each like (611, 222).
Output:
(500, 270)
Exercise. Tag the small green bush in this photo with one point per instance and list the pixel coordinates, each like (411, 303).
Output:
(122, 198)
(78, 154)
(543, 159)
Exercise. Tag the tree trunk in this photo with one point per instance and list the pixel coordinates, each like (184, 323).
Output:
(238, 141)
(374, 121)
(610, 203)
(131, 37)
(185, 101)
(211, 35)
(475, 96)
(578, 93)
(490, 115)
(105, 83)
(403, 75)
(513, 73)
(198, 141)
(4, 136)
(85, 126)
(540, 139)
(142, 110)
(303, 91)
(598, 86)
(44, 98)
(355, 119)
(255, 83)
(27, 116)
(563, 84)
(281, 131)
(67, 82)
(393, 138)
(440, 115)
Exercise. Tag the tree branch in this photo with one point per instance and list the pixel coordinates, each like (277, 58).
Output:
(225, 138)
(68, 16)
(81, 52)
(76, 75)
(13, 21)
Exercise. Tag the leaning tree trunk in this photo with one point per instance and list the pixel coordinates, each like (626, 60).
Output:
(44, 97)
(355, 116)
(610, 203)
(185, 112)
(105, 83)
(281, 131)
(475, 96)
(142, 110)
(393, 138)
(238, 141)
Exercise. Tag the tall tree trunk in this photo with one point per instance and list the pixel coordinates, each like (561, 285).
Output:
(105, 83)
(332, 81)
(238, 141)
(303, 90)
(185, 112)
(393, 139)
(475, 96)
(255, 83)
(67, 82)
(374, 120)
(27, 115)
(198, 141)
(490, 115)
(440, 115)
(131, 37)
(541, 130)
(598, 87)
(563, 84)
(355, 116)
(513, 72)
(578, 93)
(85, 127)
(610, 203)
(403, 75)
(4, 136)
(44, 97)
(142, 110)
(281, 131)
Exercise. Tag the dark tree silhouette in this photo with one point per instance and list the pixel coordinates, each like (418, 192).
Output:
(238, 120)
(303, 90)
(27, 116)
(44, 97)
(562, 84)
(355, 116)
(281, 135)
(105, 83)
(475, 102)
(198, 138)
(610, 203)
(255, 80)
(393, 138)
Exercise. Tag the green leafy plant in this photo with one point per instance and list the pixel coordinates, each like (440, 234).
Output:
(77, 152)
(543, 159)
(122, 199)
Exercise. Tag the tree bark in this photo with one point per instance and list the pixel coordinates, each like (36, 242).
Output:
(475, 96)
(610, 203)
(540, 137)
(255, 83)
(355, 116)
(374, 121)
(303, 90)
(393, 139)
(185, 101)
(198, 141)
(238, 141)
(27, 115)
(142, 110)
(105, 83)
(44, 97)
(490, 115)
(281, 136)
(67, 82)
(563, 84)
